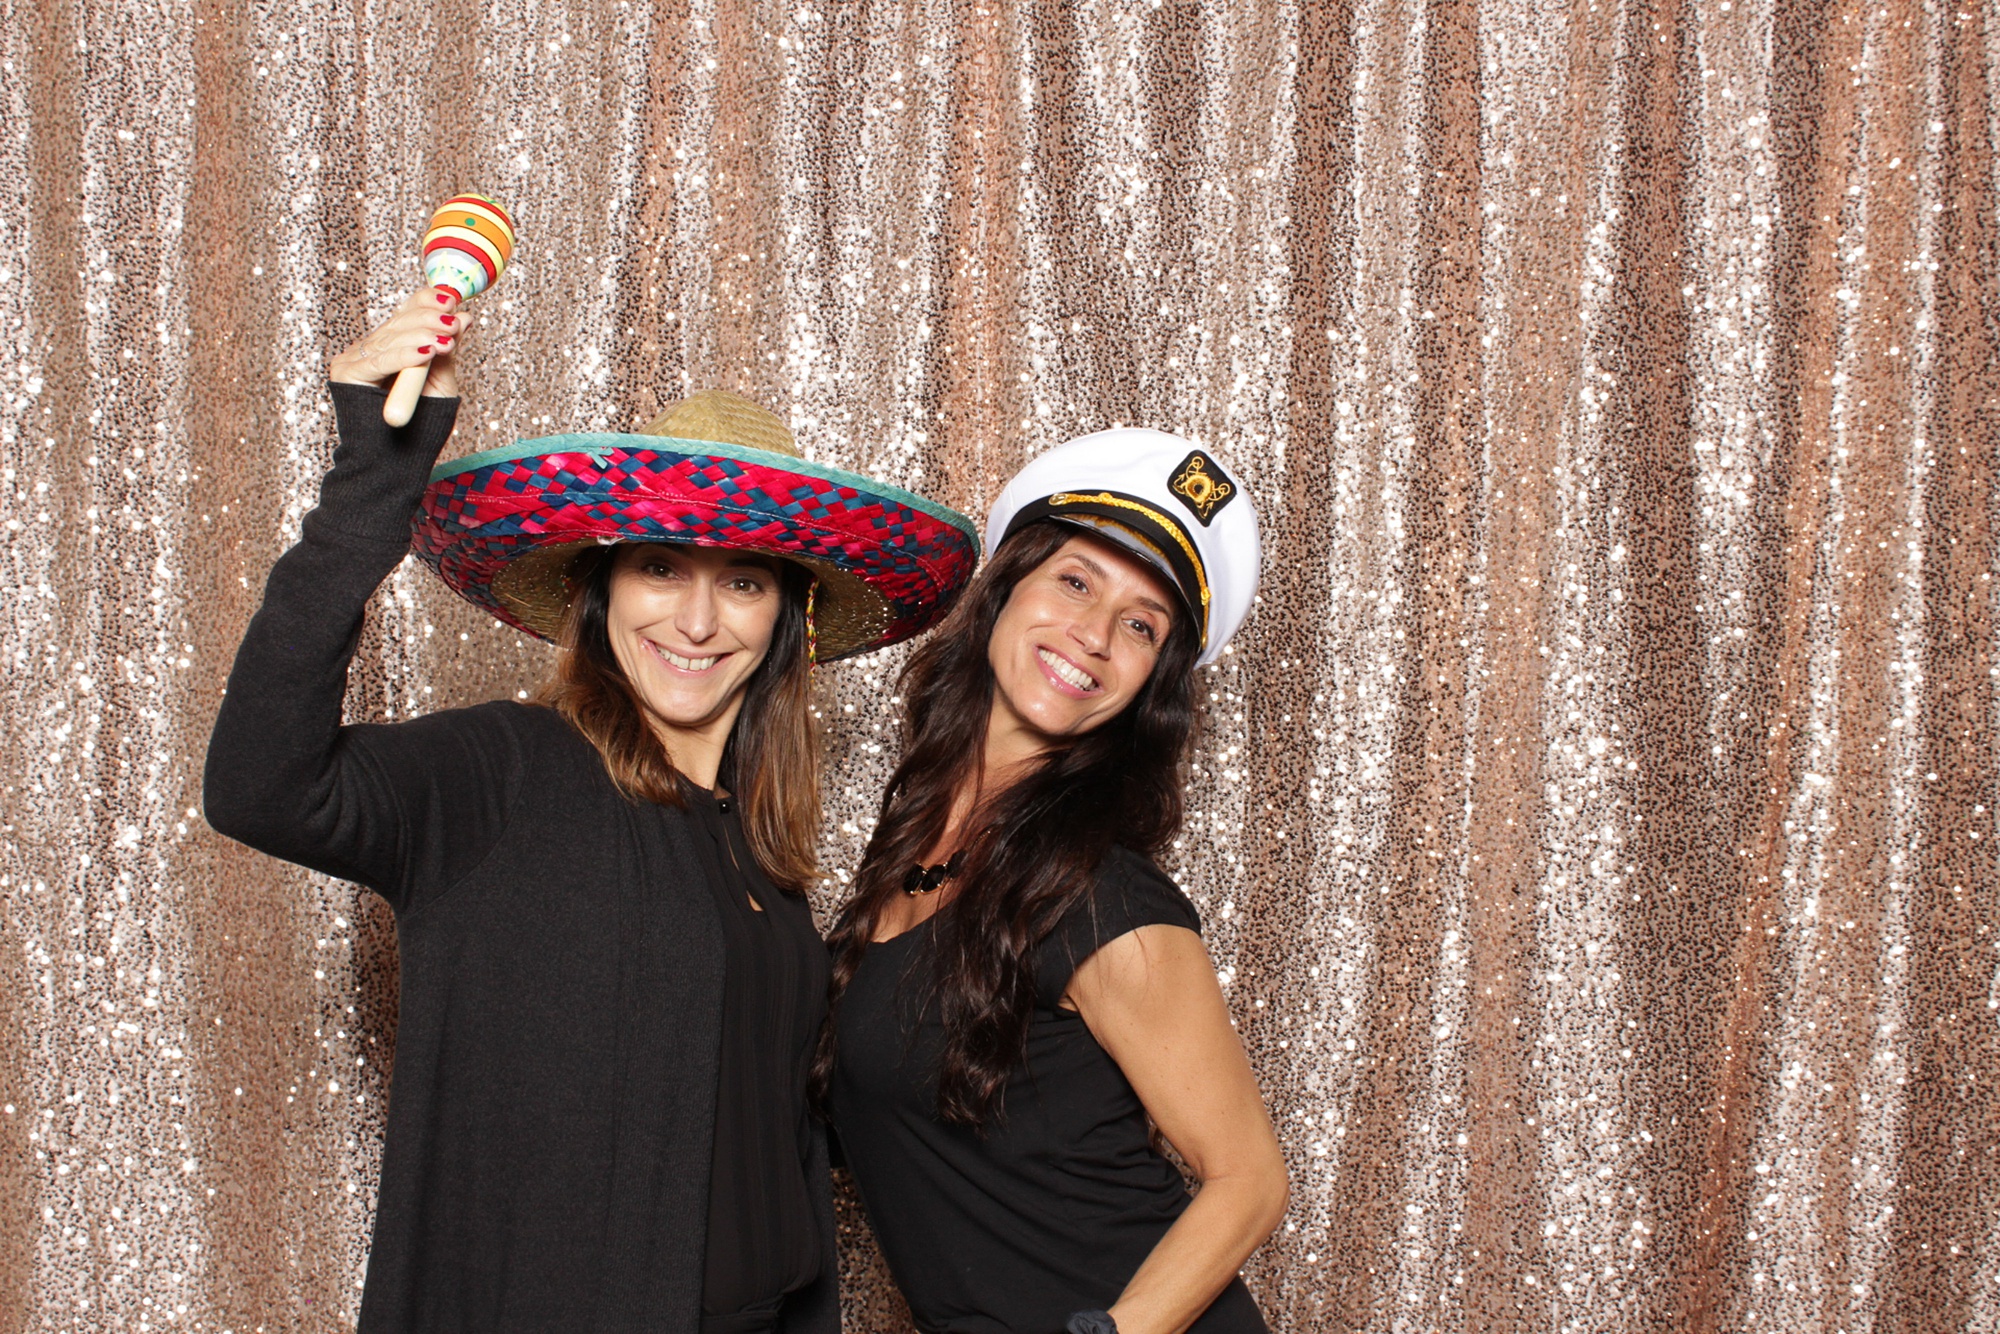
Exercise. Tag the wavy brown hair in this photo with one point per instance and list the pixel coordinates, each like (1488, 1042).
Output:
(773, 754)
(1044, 836)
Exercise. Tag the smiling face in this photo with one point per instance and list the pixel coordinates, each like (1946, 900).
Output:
(1078, 638)
(689, 627)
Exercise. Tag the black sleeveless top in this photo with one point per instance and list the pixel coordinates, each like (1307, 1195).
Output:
(1056, 1206)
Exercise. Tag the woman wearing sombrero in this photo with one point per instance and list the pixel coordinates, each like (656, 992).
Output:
(610, 979)
(1021, 995)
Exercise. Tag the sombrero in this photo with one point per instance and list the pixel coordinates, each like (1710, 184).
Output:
(503, 527)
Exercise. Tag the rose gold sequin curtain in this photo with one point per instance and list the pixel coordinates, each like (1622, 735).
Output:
(1595, 824)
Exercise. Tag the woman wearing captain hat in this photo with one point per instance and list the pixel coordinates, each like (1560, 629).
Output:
(611, 984)
(1019, 994)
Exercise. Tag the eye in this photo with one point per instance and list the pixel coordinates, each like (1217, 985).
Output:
(1073, 581)
(1144, 629)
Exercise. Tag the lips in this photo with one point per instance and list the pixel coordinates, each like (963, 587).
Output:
(1066, 671)
(673, 659)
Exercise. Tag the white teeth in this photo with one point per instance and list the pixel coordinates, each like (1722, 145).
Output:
(685, 664)
(1062, 668)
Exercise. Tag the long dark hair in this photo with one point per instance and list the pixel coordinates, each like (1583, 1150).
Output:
(773, 755)
(1042, 841)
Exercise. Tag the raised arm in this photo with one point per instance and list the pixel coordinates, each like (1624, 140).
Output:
(1151, 1000)
(283, 775)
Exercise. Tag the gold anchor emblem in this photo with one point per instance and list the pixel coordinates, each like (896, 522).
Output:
(1202, 486)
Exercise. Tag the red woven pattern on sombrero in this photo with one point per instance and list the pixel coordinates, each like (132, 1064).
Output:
(472, 523)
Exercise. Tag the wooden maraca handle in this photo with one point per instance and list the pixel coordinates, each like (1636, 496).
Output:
(468, 244)
(402, 404)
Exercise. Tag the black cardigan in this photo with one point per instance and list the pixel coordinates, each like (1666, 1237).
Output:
(550, 1129)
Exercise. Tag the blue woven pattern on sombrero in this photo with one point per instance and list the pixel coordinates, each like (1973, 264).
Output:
(473, 522)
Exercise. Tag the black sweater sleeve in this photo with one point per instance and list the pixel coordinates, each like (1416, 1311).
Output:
(399, 807)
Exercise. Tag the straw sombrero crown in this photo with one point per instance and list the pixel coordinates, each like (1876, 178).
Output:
(502, 527)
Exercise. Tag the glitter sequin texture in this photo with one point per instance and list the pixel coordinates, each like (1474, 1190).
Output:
(1594, 824)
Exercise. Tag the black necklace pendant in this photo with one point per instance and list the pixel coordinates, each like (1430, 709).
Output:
(924, 879)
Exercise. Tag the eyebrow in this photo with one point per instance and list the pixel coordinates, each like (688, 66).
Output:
(1105, 574)
(753, 560)
(739, 560)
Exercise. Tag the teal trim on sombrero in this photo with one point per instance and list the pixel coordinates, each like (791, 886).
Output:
(599, 444)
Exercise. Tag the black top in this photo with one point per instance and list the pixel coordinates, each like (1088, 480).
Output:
(761, 1238)
(547, 1159)
(1056, 1206)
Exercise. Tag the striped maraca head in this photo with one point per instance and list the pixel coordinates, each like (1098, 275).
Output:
(468, 244)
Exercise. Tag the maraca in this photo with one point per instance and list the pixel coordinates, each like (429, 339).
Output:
(465, 250)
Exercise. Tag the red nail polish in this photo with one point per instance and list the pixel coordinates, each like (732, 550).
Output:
(444, 298)
(449, 319)
(443, 339)
(424, 349)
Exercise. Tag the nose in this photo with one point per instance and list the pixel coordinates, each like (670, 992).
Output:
(696, 615)
(1092, 631)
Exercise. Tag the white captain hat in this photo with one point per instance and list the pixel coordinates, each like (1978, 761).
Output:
(1160, 497)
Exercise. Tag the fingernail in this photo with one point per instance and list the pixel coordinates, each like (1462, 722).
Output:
(444, 298)
(449, 319)
(422, 350)
(443, 339)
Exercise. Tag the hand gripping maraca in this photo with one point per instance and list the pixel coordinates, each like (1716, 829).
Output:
(465, 250)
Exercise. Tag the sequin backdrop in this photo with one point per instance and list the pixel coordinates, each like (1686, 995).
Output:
(1595, 824)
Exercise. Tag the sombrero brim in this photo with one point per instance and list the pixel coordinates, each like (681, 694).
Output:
(502, 527)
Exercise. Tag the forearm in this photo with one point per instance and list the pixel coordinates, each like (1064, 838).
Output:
(271, 760)
(1152, 1000)
(1201, 1252)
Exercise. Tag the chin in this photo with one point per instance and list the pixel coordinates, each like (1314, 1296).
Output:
(1068, 725)
(685, 717)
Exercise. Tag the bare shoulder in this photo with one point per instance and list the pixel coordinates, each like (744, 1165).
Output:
(1155, 975)
(1147, 956)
